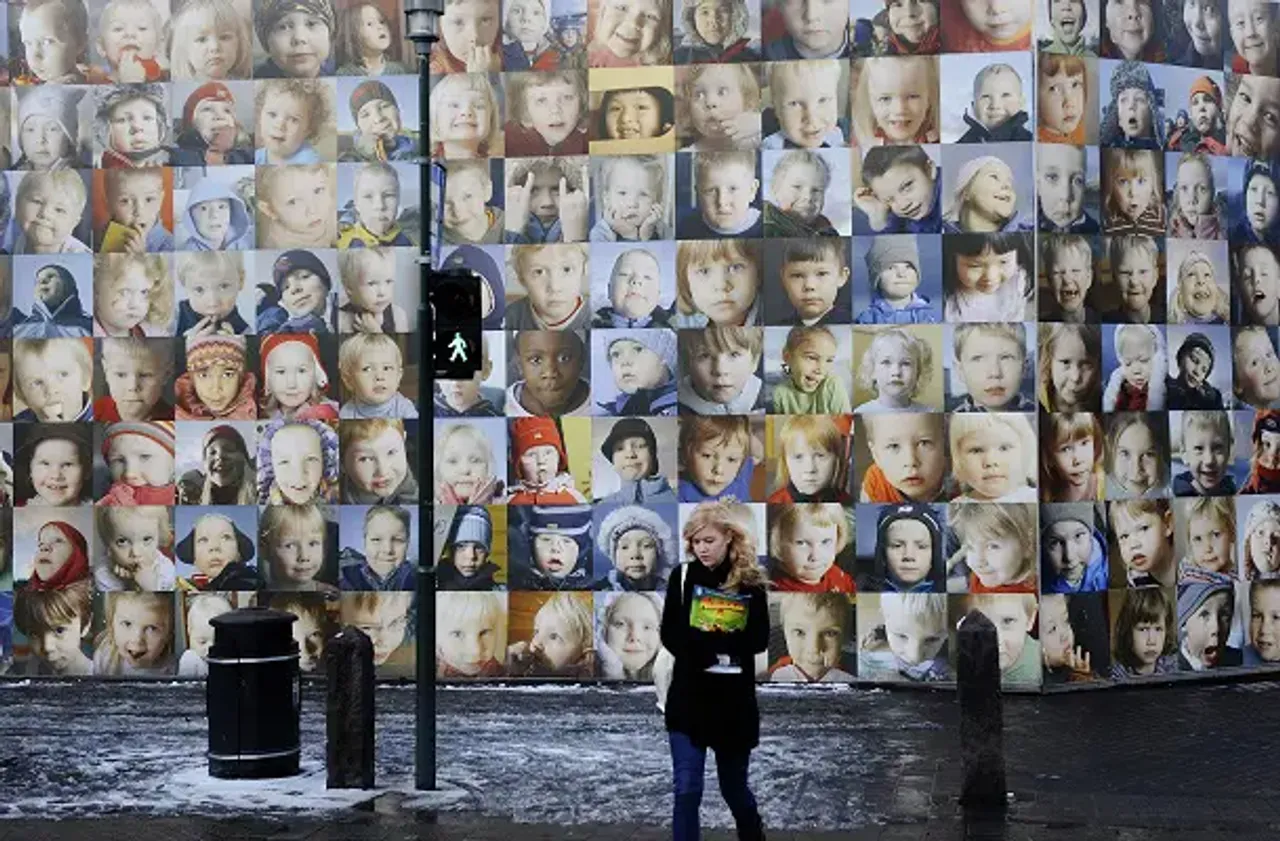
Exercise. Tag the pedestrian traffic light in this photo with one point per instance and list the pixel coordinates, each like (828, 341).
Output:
(455, 321)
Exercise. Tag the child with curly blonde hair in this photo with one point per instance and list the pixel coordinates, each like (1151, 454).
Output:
(132, 295)
(294, 117)
(895, 367)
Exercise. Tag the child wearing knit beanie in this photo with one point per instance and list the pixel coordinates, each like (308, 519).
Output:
(1206, 612)
(380, 135)
(216, 384)
(294, 381)
(643, 363)
(1205, 131)
(1133, 121)
(211, 133)
(285, 29)
(893, 265)
(1264, 464)
(136, 371)
(139, 455)
(305, 290)
(48, 129)
(124, 148)
(466, 563)
(541, 465)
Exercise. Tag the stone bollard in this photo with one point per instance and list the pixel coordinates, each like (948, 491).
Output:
(349, 709)
(981, 715)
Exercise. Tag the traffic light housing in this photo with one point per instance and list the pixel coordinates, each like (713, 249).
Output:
(454, 301)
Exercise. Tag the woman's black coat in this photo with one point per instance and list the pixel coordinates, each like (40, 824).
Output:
(714, 710)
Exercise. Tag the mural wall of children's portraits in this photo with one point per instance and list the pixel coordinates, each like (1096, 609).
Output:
(799, 257)
(210, 223)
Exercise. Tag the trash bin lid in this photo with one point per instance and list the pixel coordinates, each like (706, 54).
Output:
(253, 632)
(253, 616)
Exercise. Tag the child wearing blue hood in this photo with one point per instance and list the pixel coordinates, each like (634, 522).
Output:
(305, 289)
(216, 218)
(1073, 551)
(908, 554)
(57, 312)
(715, 459)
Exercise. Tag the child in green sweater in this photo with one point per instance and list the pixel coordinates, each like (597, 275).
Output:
(810, 387)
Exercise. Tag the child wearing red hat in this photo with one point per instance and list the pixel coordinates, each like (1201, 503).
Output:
(294, 382)
(62, 557)
(540, 465)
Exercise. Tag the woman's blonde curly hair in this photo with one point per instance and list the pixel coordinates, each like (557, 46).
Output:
(735, 520)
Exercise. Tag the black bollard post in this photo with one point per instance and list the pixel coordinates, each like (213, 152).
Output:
(981, 715)
(349, 709)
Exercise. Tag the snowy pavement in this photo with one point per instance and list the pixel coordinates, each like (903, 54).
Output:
(836, 760)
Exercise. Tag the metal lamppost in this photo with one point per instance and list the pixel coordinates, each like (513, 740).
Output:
(422, 27)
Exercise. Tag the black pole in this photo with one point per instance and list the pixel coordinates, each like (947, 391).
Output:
(421, 20)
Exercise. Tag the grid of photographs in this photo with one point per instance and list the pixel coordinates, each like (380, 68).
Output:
(209, 213)
(929, 306)
(759, 275)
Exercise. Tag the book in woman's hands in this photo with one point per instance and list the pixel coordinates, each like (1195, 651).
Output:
(715, 610)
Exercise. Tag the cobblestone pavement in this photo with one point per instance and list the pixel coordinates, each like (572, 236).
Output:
(1184, 763)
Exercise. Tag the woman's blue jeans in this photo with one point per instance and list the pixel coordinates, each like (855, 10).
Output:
(689, 762)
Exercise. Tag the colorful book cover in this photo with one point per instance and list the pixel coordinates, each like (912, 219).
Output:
(713, 610)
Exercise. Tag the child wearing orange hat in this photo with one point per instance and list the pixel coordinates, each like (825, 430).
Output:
(540, 465)
(1205, 130)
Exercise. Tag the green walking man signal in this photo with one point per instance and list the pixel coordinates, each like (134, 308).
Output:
(455, 311)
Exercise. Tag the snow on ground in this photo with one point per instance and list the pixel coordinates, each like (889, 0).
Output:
(540, 753)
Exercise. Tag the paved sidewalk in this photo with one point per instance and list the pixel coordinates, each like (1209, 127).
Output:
(1185, 763)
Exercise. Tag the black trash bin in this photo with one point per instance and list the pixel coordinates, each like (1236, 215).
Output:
(253, 695)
